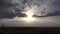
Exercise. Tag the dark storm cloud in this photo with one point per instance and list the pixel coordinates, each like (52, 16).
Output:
(8, 9)
(55, 13)
(4, 6)
(55, 5)
(50, 8)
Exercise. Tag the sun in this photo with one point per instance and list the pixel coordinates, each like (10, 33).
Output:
(29, 11)
(29, 17)
(29, 14)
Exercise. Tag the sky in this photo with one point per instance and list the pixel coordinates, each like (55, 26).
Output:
(10, 9)
(13, 8)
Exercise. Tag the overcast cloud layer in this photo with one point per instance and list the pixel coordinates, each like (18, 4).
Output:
(13, 8)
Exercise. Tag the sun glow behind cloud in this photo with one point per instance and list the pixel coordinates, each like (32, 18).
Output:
(29, 11)
(29, 17)
(29, 20)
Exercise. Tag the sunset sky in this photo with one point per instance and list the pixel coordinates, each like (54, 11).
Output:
(16, 12)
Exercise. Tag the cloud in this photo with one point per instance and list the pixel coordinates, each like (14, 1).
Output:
(13, 8)
(44, 7)
(9, 9)
(4, 7)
